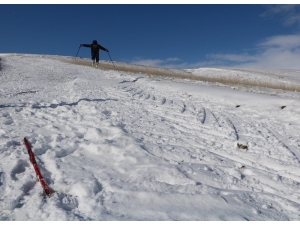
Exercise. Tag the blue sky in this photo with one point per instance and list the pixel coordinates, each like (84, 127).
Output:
(178, 36)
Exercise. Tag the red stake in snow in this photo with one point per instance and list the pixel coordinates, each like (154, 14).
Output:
(36, 168)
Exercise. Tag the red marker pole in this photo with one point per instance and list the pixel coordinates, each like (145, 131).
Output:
(36, 168)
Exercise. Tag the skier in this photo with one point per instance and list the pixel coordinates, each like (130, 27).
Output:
(95, 47)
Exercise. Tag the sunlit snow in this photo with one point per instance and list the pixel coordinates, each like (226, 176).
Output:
(114, 145)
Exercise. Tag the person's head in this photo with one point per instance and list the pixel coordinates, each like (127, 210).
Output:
(95, 42)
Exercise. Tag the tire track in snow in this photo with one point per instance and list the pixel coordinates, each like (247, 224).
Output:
(210, 118)
(283, 142)
(224, 123)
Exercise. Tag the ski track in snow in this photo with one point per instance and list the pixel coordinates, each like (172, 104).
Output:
(114, 146)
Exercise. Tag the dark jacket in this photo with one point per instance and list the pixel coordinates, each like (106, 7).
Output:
(95, 47)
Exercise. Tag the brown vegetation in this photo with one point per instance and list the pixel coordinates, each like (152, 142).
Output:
(241, 146)
(181, 74)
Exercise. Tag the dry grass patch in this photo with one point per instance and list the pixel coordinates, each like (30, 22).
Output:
(252, 83)
(138, 69)
(181, 74)
(241, 146)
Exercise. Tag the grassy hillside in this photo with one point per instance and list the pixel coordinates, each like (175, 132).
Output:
(183, 74)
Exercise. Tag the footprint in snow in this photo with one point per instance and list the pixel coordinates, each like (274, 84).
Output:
(19, 168)
(68, 202)
(9, 121)
(5, 114)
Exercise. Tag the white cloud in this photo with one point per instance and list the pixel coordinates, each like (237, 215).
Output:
(282, 41)
(294, 19)
(173, 59)
(281, 8)
(282, 52)
(232, 57)
(167, 63)
(275, 52)
(147, 62)
(289, 14)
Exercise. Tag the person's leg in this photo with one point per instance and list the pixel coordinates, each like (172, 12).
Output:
(97, 59)
(93, 58)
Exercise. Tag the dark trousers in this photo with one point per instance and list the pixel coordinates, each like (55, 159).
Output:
(95, 55)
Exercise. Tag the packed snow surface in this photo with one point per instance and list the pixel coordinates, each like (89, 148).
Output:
(115, 145)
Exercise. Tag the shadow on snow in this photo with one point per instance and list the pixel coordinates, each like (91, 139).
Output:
(36, 106)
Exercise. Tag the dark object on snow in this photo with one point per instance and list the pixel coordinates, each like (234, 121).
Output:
(282, 107)
(26, 92)
(237, 106)
(241, 146)
(95, 47)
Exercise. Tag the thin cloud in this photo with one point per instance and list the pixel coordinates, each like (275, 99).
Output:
(282, 52)
(147, 62)
(232, 57)
(288, 14)
(280, 8)
(282, 41)
(167, 63)
(275, 52)
(177, 63)
(173, 59)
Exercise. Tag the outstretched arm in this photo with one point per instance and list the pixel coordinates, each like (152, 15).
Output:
(86, 45)
(102, 48)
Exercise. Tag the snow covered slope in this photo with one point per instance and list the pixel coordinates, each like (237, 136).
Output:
(115, 145)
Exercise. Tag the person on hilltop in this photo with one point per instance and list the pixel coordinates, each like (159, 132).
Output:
(95, 47)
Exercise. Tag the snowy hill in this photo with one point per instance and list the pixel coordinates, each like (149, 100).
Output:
(119, 144)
